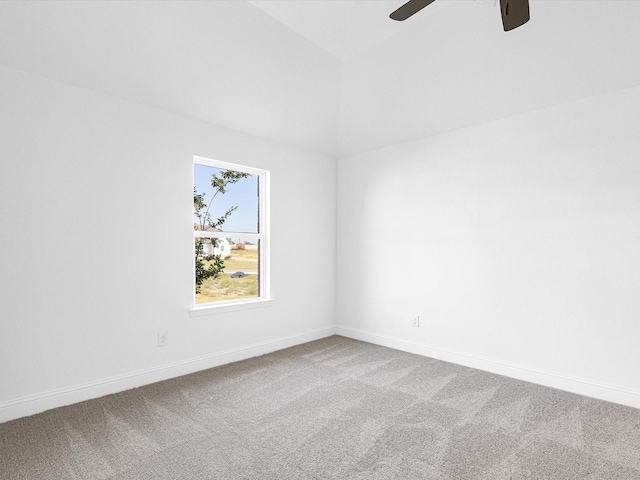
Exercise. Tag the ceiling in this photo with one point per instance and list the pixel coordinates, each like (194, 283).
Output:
(455, 67)
(345, 28)
(331, 76)
(342, 28)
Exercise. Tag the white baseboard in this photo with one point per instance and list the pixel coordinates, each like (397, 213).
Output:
(32, 404)
(581, 386)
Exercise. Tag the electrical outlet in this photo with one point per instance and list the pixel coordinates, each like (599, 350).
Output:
(163, 339)
(416, 321)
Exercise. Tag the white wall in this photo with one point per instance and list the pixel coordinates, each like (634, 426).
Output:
(82, 172)
(518, 244)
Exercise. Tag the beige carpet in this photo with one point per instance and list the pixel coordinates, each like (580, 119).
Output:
(331, 409)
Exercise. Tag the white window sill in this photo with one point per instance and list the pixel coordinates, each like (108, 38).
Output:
(233, 306)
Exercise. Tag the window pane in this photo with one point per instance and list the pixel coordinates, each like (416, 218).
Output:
(226, 269)
(225, 200)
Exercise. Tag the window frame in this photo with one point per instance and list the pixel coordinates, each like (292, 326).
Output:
(262, 237)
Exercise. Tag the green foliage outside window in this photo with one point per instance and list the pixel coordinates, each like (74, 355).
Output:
(210, 266)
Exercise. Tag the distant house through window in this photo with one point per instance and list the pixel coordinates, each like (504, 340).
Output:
(230, 228)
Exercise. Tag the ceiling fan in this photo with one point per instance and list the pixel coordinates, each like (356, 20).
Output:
(514, 12)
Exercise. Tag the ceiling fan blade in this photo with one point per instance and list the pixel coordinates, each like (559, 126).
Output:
(409, 8)
(514, 13)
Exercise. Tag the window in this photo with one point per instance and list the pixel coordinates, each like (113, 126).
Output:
(231, 243)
